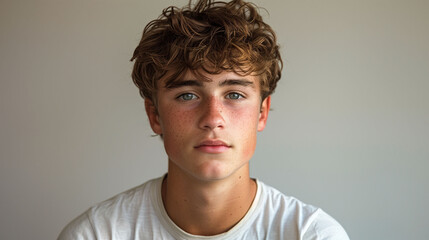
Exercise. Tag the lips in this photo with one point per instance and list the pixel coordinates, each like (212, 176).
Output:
(212, 146)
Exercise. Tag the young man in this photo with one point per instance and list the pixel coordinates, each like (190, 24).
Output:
(206, 73)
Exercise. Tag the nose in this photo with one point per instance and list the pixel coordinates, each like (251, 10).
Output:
(212, 114)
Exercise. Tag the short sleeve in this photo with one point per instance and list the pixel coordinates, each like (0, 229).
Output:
(78, 229)
(323, 227)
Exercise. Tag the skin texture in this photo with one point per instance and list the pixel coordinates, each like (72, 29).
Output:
(209, 129)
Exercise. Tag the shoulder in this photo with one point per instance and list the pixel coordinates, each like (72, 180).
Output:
(79, 228)
(126, 201)
(323, 227)
(119, 210)
(292, 217)
(284, 206)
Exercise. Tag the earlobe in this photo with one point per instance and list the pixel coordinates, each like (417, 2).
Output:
(153, 116)
(263, 116)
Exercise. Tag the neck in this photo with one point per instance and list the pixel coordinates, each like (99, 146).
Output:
(207, 207)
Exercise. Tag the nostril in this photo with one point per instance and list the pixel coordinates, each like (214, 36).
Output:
(212, 119)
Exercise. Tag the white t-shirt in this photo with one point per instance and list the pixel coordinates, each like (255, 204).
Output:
(139, 214)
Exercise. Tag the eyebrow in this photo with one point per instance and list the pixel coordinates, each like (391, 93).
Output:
(240, 82)
(228, 82)
(183, 83)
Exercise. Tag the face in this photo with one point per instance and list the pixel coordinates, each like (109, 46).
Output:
(209, 127)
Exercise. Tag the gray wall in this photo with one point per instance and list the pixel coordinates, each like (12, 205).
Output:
(349, 130)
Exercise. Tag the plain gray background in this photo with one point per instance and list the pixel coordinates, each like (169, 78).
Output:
(349, 130)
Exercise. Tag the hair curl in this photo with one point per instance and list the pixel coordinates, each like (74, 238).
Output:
(211, 36)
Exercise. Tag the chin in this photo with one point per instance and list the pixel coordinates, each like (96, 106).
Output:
(216, 172)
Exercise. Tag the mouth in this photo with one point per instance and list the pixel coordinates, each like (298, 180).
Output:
(213, 146)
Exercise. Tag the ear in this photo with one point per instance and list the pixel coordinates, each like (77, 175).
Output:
(263, 116)
(152, 114)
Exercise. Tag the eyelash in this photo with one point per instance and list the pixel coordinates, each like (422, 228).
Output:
(181, 97)
(234, 93)
(194, 96)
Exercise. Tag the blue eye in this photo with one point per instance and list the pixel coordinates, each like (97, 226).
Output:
(234, 96)
(187, 96)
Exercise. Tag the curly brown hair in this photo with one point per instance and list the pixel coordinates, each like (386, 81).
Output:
(211, 36)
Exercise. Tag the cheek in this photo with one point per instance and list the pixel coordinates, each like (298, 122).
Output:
(250, 146)
(245, 120)
(246, 123)
(175, 124)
